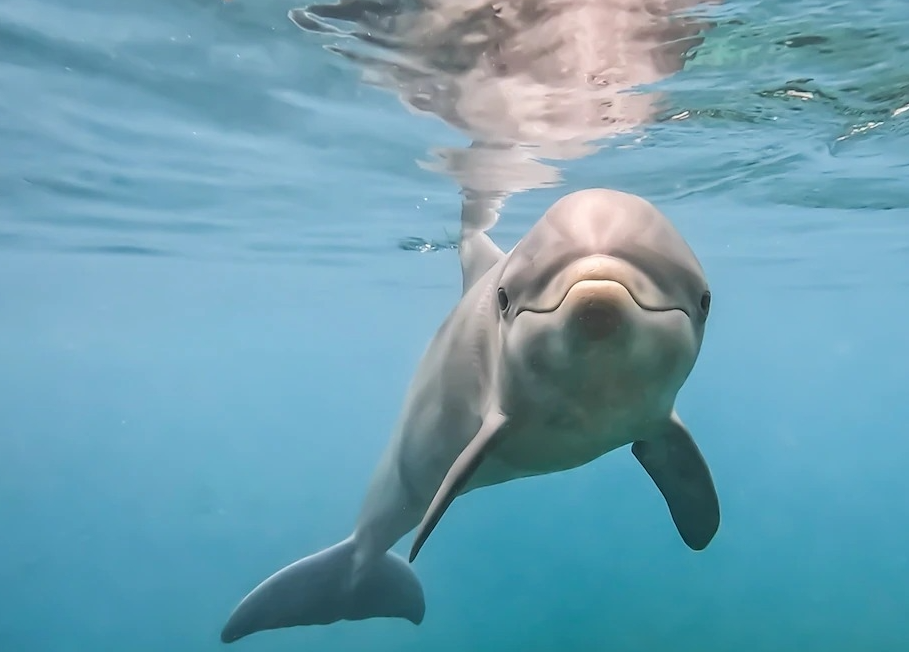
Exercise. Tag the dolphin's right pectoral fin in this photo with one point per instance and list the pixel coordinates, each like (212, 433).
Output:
(678, 469)
(460, 472)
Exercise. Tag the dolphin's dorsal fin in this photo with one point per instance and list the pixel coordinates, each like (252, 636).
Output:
(477, 251)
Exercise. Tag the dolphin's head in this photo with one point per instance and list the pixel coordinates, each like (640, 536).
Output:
(602, 299)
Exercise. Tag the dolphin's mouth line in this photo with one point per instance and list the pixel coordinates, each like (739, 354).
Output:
(637, 302)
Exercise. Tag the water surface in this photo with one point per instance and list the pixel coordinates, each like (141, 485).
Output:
(220, 262)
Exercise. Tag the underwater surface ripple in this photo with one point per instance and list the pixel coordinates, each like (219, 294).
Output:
(220, 261)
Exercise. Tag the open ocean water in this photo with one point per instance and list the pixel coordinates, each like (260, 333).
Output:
(222, 253)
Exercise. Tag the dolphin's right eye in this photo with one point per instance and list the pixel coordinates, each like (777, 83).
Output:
(503, 299)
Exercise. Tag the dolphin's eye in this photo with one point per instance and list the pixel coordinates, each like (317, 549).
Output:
(705, 302)
(503, 300)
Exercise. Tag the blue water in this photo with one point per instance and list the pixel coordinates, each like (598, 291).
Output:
(220, 262)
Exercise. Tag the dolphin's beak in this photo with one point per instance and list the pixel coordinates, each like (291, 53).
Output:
(599, 309)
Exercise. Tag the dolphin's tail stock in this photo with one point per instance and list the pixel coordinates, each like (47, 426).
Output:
(326, 587)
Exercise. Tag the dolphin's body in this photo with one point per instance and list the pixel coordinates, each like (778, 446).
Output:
(573, 344)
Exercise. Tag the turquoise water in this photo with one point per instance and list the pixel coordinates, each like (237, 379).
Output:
(220, 261)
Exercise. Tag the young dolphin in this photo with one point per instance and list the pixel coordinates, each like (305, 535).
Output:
(573, 344)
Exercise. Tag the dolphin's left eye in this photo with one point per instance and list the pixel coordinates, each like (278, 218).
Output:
(705, 302)
(503, 299)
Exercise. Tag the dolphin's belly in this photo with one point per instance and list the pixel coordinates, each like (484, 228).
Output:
(550, 447)
(549, 443)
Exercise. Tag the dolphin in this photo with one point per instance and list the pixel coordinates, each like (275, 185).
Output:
(571, 345)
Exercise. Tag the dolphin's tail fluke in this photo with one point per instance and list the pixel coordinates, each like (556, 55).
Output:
(327, 587)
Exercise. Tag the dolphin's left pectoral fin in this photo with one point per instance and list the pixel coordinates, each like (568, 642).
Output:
(464, 466)
(678, 469)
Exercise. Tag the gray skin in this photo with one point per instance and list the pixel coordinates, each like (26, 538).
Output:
(573, 344)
